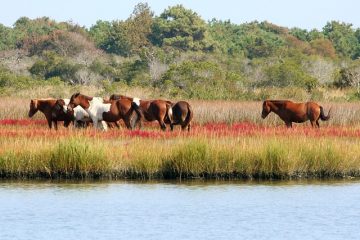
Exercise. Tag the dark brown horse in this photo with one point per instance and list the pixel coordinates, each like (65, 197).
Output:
(182, 115)
(53, 109)
(153, 110)
(109, 111)
(291, 112)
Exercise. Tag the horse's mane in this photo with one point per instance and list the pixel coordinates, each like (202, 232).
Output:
(278, 102)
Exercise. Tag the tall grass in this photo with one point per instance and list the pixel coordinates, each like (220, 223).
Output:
(342, 114)
(251, 157)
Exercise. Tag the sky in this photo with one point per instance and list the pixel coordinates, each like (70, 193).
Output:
(307, 14)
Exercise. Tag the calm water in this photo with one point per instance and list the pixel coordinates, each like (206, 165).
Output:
(192, 210)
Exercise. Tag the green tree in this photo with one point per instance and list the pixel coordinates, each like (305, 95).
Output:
(54, 65)
(128, 37)
(7, 40)
(100, 32)
(343, 37)
(180, 28)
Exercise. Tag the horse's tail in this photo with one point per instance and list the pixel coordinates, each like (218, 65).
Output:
(139, 114)
(169, 112)
(189, 116)
(322, 114)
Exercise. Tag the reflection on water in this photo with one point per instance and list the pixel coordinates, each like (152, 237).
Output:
(173, 210)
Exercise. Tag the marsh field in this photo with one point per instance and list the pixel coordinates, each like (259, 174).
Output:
(229, 140)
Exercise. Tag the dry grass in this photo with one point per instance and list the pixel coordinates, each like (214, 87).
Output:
(342, 114)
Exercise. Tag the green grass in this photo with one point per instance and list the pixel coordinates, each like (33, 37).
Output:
(193, 157)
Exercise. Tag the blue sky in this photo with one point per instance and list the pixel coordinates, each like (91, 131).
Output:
(306, 14)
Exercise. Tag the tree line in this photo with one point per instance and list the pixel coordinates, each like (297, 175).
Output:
(180, 54)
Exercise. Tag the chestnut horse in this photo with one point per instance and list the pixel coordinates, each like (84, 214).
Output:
(291, 112)
(182, 115)
(152, 109)
(53, 110)
(109, 111)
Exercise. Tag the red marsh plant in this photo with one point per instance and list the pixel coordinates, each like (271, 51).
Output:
(38, 128)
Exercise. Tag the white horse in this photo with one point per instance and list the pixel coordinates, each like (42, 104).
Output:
(80, 114)
(95, 112)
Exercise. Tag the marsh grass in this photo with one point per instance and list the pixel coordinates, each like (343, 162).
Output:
(250, 157)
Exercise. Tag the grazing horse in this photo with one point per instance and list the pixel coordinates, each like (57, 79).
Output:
(53, 110)
(182, 115)
(291, 112)
(153, 110)
(109, 111)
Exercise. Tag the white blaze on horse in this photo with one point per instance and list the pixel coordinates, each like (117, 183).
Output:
(109, 111)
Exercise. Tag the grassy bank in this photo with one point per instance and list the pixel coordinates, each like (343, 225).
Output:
(92, 155)
(229, 140)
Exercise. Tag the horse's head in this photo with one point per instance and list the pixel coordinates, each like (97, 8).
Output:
(76, 100)
(265, 109)
(33, 107)
(60, 106)
(114, 97)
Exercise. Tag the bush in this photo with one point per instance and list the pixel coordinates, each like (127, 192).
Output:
(287, 74)
(54, 65)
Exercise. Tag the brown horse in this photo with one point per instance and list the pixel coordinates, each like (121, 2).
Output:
(291, 112)
(153, 110)
(182, 115)
(109, 111)
(53, 109)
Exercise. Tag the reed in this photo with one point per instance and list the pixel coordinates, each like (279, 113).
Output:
(227, 157)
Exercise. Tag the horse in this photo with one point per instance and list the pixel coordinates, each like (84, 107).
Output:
(182, 115)
(53, 109)
(81, 117)
(109, 111)
(291, 112)
(153, 110)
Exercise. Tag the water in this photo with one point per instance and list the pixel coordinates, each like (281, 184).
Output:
(192, 210)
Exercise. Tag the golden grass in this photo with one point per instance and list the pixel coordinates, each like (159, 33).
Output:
(342, 114)
(271, 157)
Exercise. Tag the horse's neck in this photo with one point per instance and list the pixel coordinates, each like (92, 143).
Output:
(41, 105)
(86, 103)
(276, 106)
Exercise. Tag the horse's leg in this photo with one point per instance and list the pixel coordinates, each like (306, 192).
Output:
(55, 125)
(128, 124)
(49, 121)
(162, 125)
(313, 123)
(104, 126)
(189, 127)
(288, 124)
(95, 122)
(317, 123)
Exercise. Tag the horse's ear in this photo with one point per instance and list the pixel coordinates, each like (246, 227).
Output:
(33, 102)
(76, 94)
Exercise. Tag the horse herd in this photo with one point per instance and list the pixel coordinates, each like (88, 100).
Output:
(103, 113)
